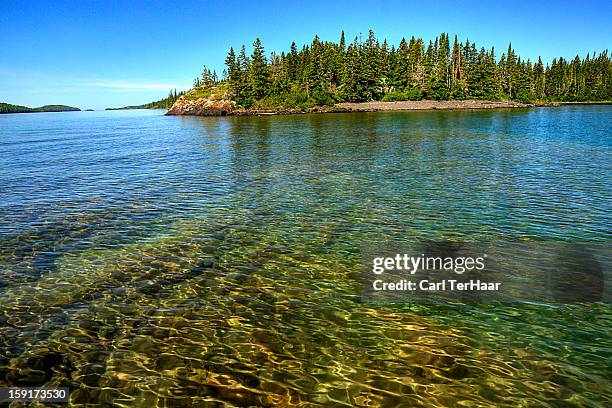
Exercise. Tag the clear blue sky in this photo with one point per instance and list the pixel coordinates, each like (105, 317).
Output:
(96, 54)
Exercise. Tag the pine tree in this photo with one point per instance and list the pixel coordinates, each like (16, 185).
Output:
(416, 68)
(351, 81)
(292, 61)
(538, 81)
(439, 87)
(207, 77)
(258, 72)
(242, 86)
(402, 68)
(371, 68)
(457, 82)
(230, 62)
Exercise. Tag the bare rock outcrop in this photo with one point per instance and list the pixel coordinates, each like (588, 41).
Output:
(215, 104)
(428, 105)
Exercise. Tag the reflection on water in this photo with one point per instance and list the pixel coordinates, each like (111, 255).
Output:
(160, 261)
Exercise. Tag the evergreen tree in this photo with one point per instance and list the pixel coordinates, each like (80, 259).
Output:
(538, 81)
(292, 61)
(207, 77)
(242, 85)
(440, 79)
(258, 72)
(232, 71)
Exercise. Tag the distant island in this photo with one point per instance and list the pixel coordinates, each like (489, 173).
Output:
(330, 76)
(165, 103)
(9, 108)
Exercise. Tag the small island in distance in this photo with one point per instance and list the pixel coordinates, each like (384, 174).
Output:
(9, 108)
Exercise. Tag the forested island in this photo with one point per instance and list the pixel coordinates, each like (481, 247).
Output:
(9, 108)
(325, 74)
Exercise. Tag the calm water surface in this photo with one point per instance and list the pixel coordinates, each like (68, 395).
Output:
(164, 261)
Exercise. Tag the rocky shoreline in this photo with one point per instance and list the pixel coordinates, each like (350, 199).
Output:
(220, 106)
(429, 105)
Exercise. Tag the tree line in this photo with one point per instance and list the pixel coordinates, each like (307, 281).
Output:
(165, 103)
(324, 72)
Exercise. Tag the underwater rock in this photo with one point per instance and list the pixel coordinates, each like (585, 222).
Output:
(27, 377)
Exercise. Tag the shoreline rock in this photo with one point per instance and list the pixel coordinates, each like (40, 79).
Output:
(426, 104)
(202, 107)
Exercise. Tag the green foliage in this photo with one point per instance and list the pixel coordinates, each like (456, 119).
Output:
(197, 93)
(407, 95)
(240, 82)
(296, 99)
(323, 73)
(323, 98)
(258, 72)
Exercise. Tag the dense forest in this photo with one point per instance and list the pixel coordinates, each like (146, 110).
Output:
(323, 73)
(8, 108)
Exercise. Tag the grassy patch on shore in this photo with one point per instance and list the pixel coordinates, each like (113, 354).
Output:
(218, 91)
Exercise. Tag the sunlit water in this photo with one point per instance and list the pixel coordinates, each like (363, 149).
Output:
(151, 261)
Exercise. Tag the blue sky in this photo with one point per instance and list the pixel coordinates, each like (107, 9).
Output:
(97, 54)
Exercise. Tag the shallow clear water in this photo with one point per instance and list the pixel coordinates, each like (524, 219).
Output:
(148, 260)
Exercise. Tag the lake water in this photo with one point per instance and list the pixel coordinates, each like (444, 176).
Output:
(148, 260)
